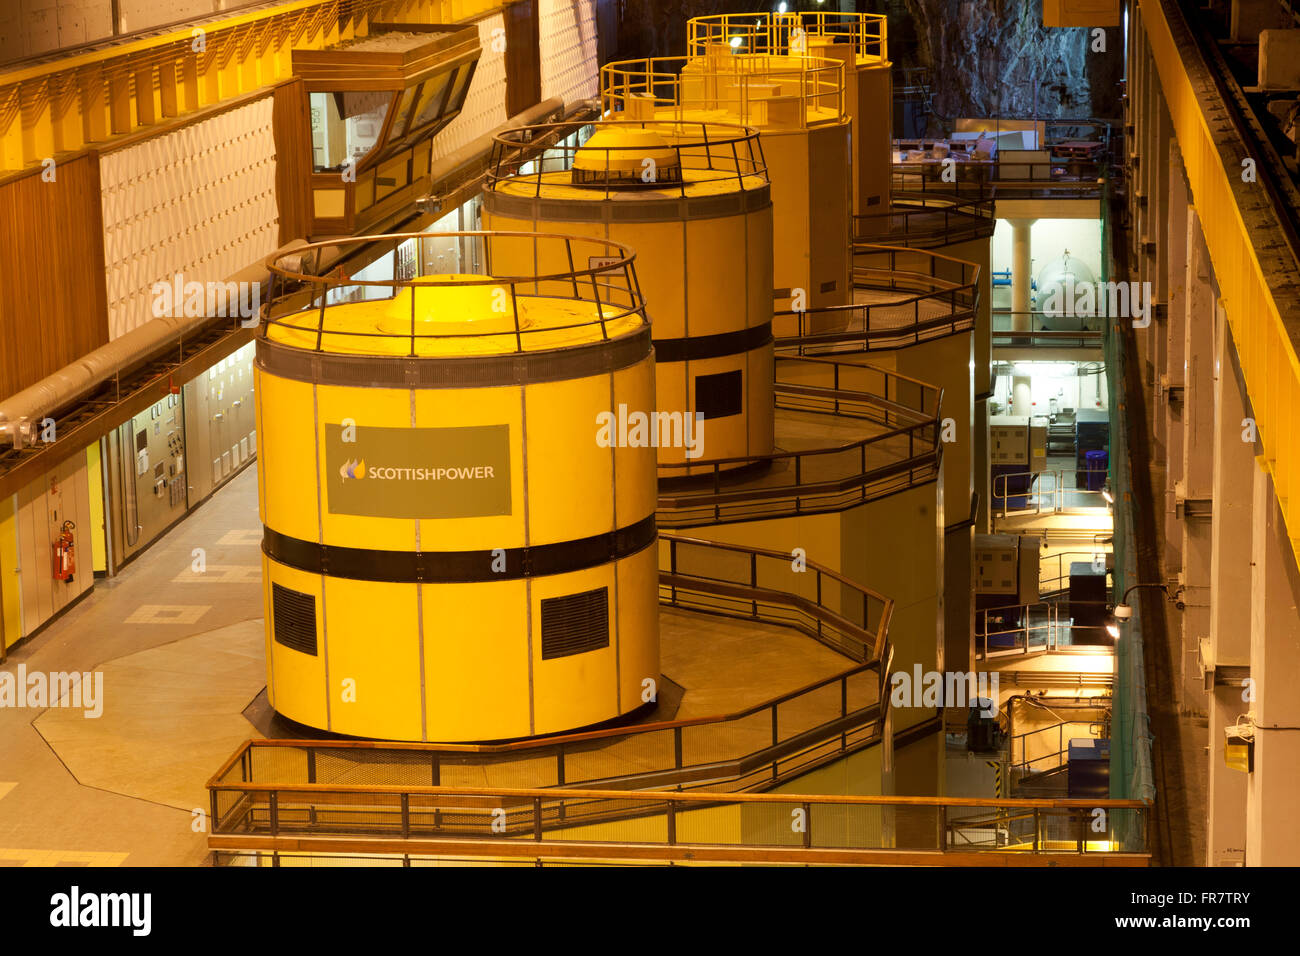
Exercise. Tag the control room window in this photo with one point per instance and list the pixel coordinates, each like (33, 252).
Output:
(345, 127)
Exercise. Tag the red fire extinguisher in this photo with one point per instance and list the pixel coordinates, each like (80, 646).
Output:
(65, 557)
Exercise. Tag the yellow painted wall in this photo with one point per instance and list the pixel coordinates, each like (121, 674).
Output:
(96, 531)
(9, 590)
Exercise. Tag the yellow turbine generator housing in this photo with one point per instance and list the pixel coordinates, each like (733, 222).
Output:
(797, 105)
(858, 40)
(456, 546)
(693, 201)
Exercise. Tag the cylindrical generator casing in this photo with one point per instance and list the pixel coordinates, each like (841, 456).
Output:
(869, 100)
(450, 554)
(797, 105)
(812, 195)
(704, 260)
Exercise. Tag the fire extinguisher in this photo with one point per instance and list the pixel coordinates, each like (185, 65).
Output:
(65, 557)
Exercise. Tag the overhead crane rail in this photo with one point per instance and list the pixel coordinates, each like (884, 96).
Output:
(1250, 232)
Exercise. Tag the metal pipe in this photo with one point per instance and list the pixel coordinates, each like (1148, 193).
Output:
(20, 413)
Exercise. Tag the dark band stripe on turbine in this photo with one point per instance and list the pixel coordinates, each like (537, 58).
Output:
(457, 567)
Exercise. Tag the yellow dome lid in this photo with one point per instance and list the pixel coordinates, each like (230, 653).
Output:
(622, 151)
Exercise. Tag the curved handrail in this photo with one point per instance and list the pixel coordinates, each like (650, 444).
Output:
(608, 284)
(824, 479)
(786, 33)
(844, 707)
(947, 286)
(736, 84)
(727, 149)
(917, 219)
(504, 820)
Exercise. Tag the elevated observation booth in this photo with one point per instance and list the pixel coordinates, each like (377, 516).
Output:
(373, 105)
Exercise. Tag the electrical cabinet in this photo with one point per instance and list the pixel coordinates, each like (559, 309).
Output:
(1014, 440)
(1006, 565)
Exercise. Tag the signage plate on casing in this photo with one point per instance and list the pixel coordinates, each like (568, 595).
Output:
(417, 472)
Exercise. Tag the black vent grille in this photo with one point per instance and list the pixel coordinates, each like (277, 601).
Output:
(720, 395)
(294, 615)
(575, 623)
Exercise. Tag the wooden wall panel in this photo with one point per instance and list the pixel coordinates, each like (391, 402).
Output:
(53, 306)
(523, 57)
(289, 119)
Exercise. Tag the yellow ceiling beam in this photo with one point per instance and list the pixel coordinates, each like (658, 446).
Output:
(1268, 343)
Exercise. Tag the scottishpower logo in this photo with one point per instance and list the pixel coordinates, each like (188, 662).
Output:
(418, 472)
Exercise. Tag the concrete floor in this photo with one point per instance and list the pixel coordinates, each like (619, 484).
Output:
(181, 655)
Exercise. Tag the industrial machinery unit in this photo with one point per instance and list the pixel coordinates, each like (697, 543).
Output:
(1091, 433)
(454, 549)
(1065, 297)
(797, 104)
(693, 201)
(859, 41)
(1089, 589)
(1018, 452)
(1004, 578)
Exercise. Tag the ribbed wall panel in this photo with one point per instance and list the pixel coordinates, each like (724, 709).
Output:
(199, 202)
(485, 106)
(568, 47)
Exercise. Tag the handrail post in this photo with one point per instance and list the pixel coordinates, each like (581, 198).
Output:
(274, 808)
(775, 737)
(672, 822)
(807, 824)
(406, 816)
(537, 819)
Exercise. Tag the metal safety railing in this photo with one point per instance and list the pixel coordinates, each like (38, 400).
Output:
(774, 587)
(1054, 570)
(1041, 737)
(1046, 329)
(696, 152)
(789, 33)
(488, 822)
(905, 296)
(901, 450)
(595, 273)
(923, 217)
(750, 89)
(1005, 177)
(758, 745)
(1017, 629)
(1045, 493)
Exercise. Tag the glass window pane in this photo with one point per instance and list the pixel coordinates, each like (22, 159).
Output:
(345, 126)
(457, 98)
(403, 112)
(430, 101)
